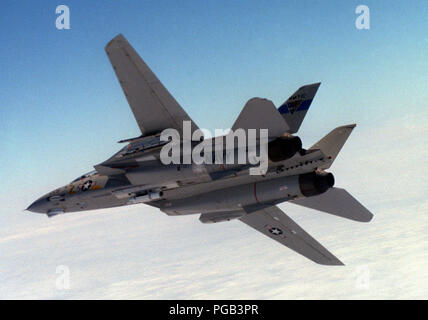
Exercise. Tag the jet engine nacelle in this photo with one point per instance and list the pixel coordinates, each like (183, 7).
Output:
(263, 192)
(314, 183)
(283, 148)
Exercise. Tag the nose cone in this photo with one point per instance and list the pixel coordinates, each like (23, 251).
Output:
(39, 206)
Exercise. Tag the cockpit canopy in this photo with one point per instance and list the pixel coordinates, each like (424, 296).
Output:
(86, 175)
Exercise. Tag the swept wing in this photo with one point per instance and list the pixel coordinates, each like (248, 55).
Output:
(275, 224)
(154, 108)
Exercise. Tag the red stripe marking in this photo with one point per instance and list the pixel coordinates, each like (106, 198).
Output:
(255, 192)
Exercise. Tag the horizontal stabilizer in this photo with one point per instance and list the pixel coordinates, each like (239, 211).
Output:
(338, 202)
(332, 143)
(261, 114)
(294, 109)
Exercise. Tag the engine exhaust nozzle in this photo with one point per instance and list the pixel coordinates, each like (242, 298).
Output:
(315, 183)
(283, 148)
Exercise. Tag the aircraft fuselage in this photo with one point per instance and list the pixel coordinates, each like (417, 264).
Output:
(96, 191)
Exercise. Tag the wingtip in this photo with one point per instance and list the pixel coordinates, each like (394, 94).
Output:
(115, 39)
(368, 218)
(331, 260)
(335, 262)
(331, 263)
(328, 260)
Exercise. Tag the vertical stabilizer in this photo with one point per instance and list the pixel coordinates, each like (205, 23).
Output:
(261, 114)
(294, 109)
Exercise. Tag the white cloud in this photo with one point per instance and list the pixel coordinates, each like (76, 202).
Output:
(138, 252)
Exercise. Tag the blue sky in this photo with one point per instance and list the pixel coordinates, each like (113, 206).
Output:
(61, 96)
(62, 109)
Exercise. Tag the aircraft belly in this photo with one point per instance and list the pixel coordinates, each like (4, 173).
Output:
(93, 202)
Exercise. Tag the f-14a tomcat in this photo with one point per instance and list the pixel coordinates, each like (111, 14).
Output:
(217, 192)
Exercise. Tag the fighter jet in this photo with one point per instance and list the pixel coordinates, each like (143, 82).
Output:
(217, 192)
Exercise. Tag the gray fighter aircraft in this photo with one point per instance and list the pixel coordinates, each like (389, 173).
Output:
(217, 192)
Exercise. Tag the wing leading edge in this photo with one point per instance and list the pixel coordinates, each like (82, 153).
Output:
(275, 224)
(154, 108)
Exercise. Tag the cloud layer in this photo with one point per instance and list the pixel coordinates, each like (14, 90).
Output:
(138, 252)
